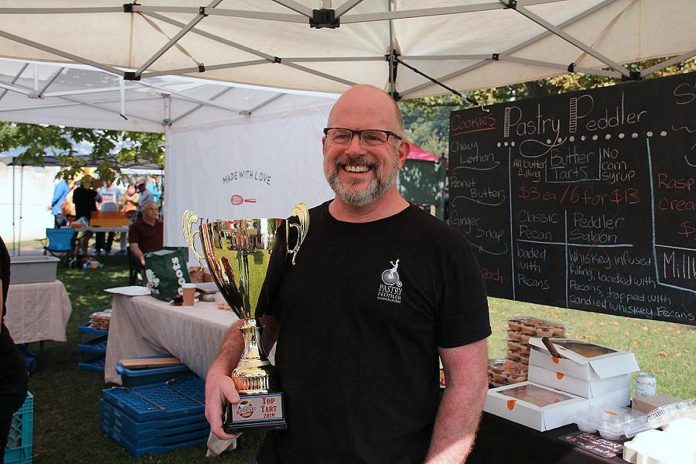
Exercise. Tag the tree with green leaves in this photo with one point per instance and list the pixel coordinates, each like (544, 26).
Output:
(111, 151)
(427, 119)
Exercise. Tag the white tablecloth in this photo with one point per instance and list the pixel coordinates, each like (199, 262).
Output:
(38, 311)
(144, 325)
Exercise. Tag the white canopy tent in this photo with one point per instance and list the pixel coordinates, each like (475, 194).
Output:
(212, 129)
(411, 48)
(132, 66)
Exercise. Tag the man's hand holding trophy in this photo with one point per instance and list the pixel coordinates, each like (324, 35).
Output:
(238, 253)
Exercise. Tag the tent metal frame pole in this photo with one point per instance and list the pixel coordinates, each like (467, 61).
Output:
(14, 79)
(294, 6)
(263, 103)
(67, 105)
(513, 49)
(190, 98)
(61, 53)
(427, 12)
(199, 106)
(272, 59)
(21, 201)
(174, 40)
(546, 64)
(666, 63)
(14, 226)
(49, 81)
(109, 110)
(98, 106)
(327, 59)
(478, 56)
(281, 17)
(346, 7)
(85, 91)
(43, 11)
(181, 71)
(392, 60)
(213, 37)
(16, 88)
(573, 41)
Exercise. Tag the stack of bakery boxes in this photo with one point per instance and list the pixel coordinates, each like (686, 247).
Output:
(564, 376)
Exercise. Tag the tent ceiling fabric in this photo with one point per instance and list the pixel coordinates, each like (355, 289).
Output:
(80, 96)
(464, 44)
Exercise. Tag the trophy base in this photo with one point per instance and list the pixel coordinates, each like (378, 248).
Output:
(255, 412)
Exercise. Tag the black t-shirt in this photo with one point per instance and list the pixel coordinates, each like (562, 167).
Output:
(85, 202)
(362, 315)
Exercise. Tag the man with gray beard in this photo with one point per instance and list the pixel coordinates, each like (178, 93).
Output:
(379, 290)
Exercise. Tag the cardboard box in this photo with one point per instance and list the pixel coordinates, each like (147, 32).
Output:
(534, 406)
(645, 404)
(615, 399)
(584, 388)
(582, 360)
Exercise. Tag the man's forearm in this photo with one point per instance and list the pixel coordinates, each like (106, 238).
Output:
(137, 252)
(460, 409)
(456, 423)
(230, 351)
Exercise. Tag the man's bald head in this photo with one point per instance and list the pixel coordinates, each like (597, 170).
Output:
(378, 96)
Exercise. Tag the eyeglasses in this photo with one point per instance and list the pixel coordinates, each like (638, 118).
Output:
(371, 137)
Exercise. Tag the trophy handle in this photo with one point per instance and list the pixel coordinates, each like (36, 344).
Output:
(189, 219)
(300, 210)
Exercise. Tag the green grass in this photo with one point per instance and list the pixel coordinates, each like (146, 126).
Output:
(66, 414)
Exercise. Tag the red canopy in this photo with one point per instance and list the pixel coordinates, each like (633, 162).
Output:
(417, 153)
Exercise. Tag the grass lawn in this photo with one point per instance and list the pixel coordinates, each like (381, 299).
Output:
(66, 414)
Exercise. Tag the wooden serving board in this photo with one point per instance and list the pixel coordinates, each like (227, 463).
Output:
(149, 363)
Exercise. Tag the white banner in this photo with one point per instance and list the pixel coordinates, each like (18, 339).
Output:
(259, 167)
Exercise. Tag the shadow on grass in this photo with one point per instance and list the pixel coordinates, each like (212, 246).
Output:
(66, 398)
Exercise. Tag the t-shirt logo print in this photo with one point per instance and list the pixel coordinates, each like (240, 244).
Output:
(390, 288)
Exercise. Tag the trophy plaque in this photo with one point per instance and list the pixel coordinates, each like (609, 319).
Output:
(237, 253)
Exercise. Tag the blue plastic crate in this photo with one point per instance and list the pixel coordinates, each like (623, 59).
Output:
(148, 440)
(112, 414)
(159, 401)
(125, 425)
(139, 451)
(19, 443)
(191, 387)
(158, 436)
(95, 364)
(140, 377)
(96, 345)
(21, 455)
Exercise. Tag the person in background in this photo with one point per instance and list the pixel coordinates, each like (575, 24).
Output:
(145, 195)
(378, 291)
(154, 188)
(130, 207)
(130, 201)
(146, 234)
(13, 372)
(85, 199)
(60, 192)
(110, 196)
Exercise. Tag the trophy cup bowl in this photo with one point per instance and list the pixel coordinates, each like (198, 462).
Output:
(238, 253)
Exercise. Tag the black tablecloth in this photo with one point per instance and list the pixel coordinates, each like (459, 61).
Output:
(502, 441)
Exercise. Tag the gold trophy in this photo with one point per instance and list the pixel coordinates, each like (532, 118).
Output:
(238, 254)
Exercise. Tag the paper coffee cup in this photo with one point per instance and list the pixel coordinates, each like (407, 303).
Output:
(189, 293)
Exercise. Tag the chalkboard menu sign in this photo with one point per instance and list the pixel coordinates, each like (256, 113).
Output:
(585, 200)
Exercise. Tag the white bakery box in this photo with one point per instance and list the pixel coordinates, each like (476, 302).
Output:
(584, 369)
(543, 408)
(32, 269)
